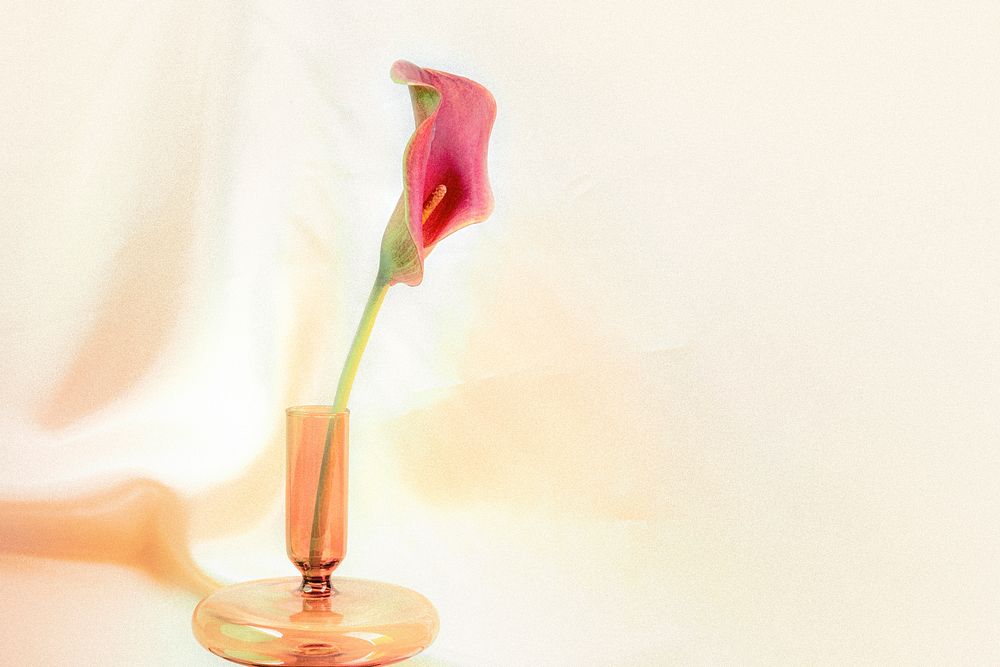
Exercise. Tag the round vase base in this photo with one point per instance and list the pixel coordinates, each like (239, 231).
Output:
(272, 622)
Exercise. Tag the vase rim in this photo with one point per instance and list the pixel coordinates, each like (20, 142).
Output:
(316, 410)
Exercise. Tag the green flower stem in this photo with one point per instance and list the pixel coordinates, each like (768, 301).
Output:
(361, 337)
(347, 375)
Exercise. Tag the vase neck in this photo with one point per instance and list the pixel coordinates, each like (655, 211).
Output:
(316, 586)
(316, 494)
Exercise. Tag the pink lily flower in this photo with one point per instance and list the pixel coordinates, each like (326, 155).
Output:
(445, 188)
(445, 183)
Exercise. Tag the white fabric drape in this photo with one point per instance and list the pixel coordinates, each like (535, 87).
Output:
(717, 382)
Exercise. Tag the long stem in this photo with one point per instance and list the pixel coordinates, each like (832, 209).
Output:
(347, 375)
(364, 331)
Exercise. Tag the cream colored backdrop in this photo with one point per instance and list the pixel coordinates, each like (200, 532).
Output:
(716, 384)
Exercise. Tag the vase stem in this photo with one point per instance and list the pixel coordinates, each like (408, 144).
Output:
(316, 585)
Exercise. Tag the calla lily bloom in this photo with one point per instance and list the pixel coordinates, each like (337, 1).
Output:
(445, 184)
(445, 188)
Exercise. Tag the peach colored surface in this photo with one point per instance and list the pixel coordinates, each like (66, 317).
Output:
(716, 384)
(366, 623)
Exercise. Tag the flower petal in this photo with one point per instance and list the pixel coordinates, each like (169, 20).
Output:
(454, 117)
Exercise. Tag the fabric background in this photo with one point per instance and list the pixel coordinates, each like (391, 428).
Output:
(716, 384)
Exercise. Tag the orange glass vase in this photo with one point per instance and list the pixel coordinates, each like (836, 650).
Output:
(315, 619)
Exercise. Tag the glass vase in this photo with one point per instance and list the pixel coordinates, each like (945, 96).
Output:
(315, 619)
